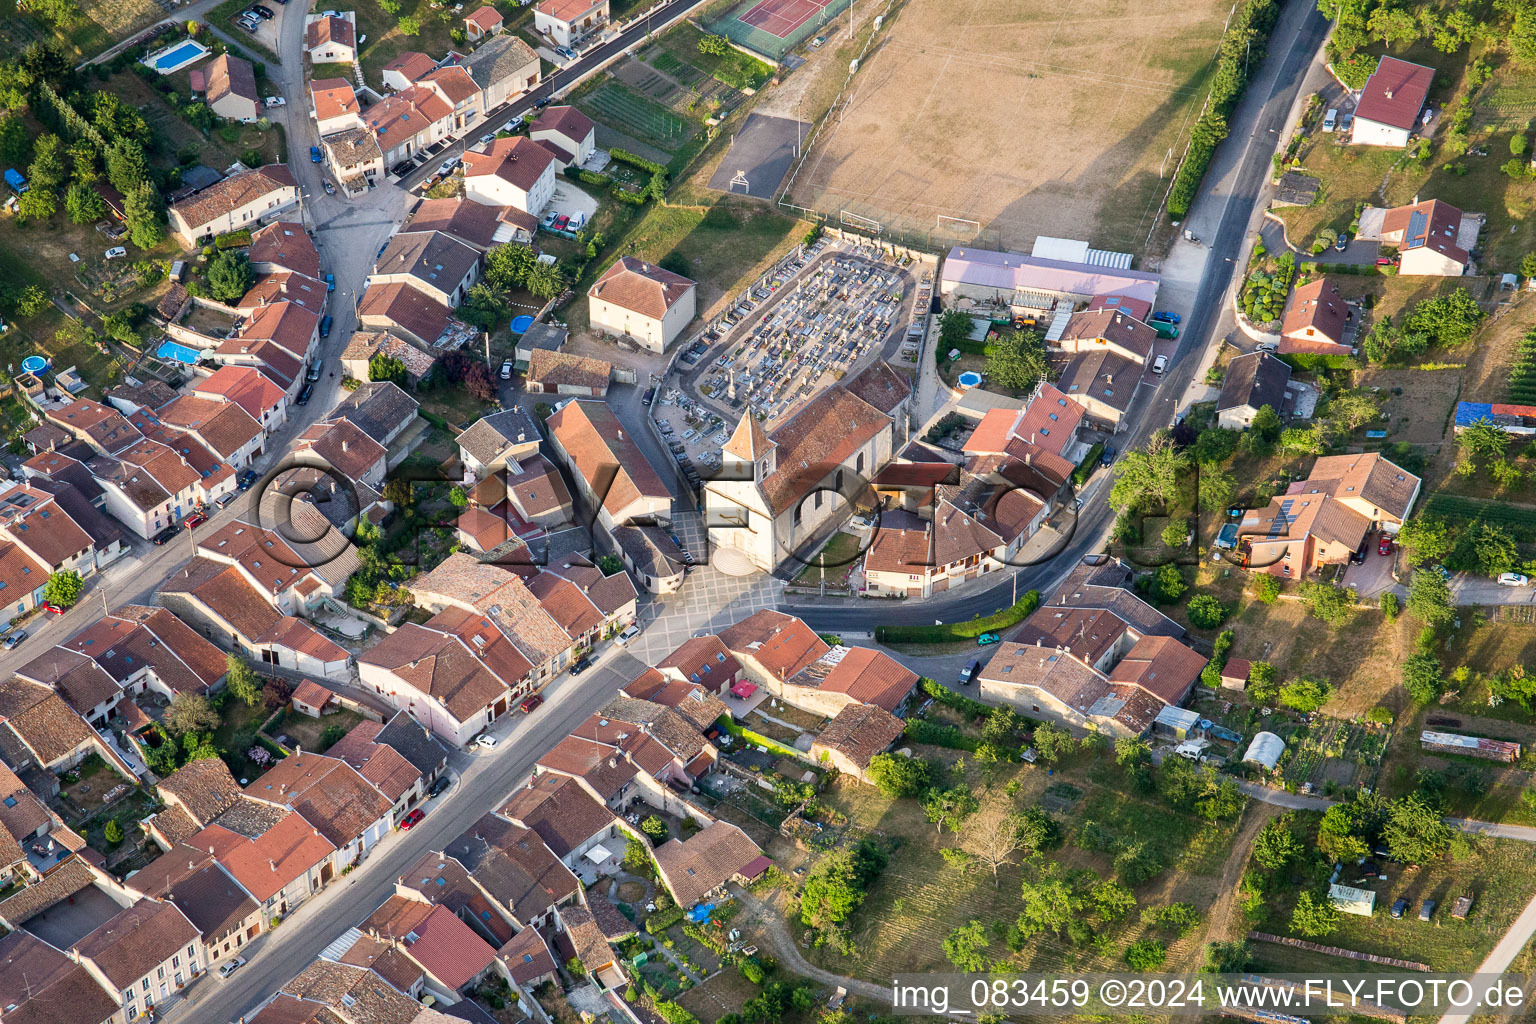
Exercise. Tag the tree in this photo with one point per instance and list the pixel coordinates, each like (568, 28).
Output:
(83, 205)
(458, 497)
(1490, 548)
(486, 306)
(1051, 741)
(1305, 695)
(113, 832)
(1151, 478)
(1175, 533)
(1448, 319)
(836, 887)
(954, 328)
(1217, 488)
(637, 856)
(1146, 954)
(1262, 682)
(1266, 425)
(1266, 588)
(611, 565)
(32, 300)
(714, 46)
(995, 835)
(1414, 831)
(409, 25)
(127, 167)
(1422, 678)
(37, 204)
(1314, 917)
(15, 140)
(1327, 602)
(966, 948)
(1112, 900)
(1017, 362)
(1205, 612)
(275, 693)
(230, 275)
(479, 383)
(898, 776)
(47, 170)
(386, 368)
(1049, 903)
(507, 266)
(950, 807)
(1168, 584)
(142, 213)
(546, 280)
(657, 829)
(63, 588)
(1227, 957)
(1429, 598)
(1528, 265)
(190, 712)
(1276, 845)
(242, 680)
(1337, 836)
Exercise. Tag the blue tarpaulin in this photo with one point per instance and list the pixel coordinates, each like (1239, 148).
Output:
(1468, 413)
(14, 180)
(700, 913)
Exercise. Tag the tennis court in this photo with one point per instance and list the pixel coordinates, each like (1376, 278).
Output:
(771, 27)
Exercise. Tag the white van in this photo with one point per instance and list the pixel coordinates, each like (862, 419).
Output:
(1331, 119)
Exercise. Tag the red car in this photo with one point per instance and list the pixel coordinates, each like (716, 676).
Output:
(195, 520)
(1384, 547)
(531, 702)
(52, 609)
(410, 821)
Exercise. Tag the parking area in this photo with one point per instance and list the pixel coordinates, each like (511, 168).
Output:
(572, 203)
(266, 28)
(831, 312)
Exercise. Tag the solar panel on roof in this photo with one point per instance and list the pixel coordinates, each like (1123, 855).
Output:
(1418, 227)
(1282, 519)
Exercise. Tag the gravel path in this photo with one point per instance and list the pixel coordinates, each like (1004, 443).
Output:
(788, 951)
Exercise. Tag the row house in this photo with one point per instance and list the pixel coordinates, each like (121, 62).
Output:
(291, 577)
(225, 915)
(50, 733)
(242, 200)
(399, 758)
(449, 954)
(254, 392)
(408, 122)
(42, 526)
(431, 262)
(343, 806)
(38, 979)
(333, 102)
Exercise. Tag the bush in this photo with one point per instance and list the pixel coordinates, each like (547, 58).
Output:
(960, 630)
(233, 239)
(624, 156)
(663, 919)
(1266, 588)
(1146, 955)
(1389, 605)
(1205, 612)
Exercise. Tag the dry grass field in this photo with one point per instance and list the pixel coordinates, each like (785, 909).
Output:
(1025, 117)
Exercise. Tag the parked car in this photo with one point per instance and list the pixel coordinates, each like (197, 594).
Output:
(1331, 119)
(313, 373)
(1168, 318)
(330, 279)
(649, 397)
(582, 664)
(530, 703)
(1426, 909)
(485, 741)
(314, 154)
(1108, 457)
(1159, 364)
(330, 189)
(1385, 261)
(195, 520)
(1342, 243)
(629, 634)
(560, 222)
(987, 639)
(488, 138)
(1513, 579)
(541, 104)
(165, 535)
(238, 962)
(1384, 546)
(969, 673)
(117, 252)
(249, 24)
(506, 369)
(226, 500)
(247, 478)
(441, 786)
(52, 609)
(447, 166)
(13, 640)
(304, 395)
(276, 101)
(411, 820)
(1399, 907)
(400, 170)
(266, 13)
(325, 326)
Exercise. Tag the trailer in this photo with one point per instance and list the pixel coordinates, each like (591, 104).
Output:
(1470, 746)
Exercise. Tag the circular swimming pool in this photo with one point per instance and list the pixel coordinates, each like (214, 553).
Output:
(34, 364)
(521, 324)
(969, 379)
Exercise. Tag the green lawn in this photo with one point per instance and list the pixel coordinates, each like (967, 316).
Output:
(734, 68)
(836, 557)
(628, 111)
(386, 41)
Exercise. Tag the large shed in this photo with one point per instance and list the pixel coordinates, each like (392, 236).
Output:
(1265, 750)
(1351, 900)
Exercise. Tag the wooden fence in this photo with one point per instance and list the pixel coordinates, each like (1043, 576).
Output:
(1336, 951)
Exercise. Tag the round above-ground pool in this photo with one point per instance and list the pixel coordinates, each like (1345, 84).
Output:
(969, 379)
(34, 364)
(177, 56)
(520, 324)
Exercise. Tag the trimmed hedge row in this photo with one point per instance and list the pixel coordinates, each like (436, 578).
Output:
(624, 156)
(960, 630)
(740, 732)
(1090, 462)
(233, 239)
(663, 919)
(950, 699)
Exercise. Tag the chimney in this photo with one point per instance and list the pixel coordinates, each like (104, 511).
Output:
(272, 865)
(1389, 94)
(344, 446)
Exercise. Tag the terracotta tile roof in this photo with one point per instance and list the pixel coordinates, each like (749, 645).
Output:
(1367, 477)
(1062, 675)
(553, 369)
(705, 861)
(101, 426)
(467, 221)
(869, 676)
(204, 788)
(60, 468)
(174, 824)
(344, 446)
(448, 949)
(224, 426)
(290, 325)
(442, 667)
(1101, 376)
(81, 682)
(41, 985)
(228, 75)
(880, 386)
(266, 864)
(489, 437)
(518, 160)
(328, 792)
(781, 643)
(441, 880)
(604, 456)
(704, 660)
(859, 732)
(211, 900)
(245, 386)
(333, 97)
(137, 940)
(603, 767)
(377, 408)
(1316, 312)
(285, 1009)
(1395, 93)
(21, 813)
(587, 938)
(386, 961)
(502, 598)
(566, 604)
(566, 10)
(57, 886)
(560, 811)
(1432, 224)
(294, 634)
(329, 30)
(538, 488)
(749, 442)
(1160, 665)
(640, 287)
(610, 594)
(1114, 326)
(403, 306)
(453, 84)
(233, 193)
(226, 593)
(691, 701)
(527, 956)
(1050, 420)
(816, 440)
(957, 535)
(411, 64)
(382, 765)
(43, 721)
(486, 19)
(901, 550)
(435, 259)
(566, 120)
(514, 866)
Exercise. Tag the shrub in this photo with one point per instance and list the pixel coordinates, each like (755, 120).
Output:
(1146, 954)
(624, 156)
(1205, 612)
(1266, 588)
(960, 630)
(1389, 605)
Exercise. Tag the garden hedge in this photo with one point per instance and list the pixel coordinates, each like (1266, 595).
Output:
(960, 630)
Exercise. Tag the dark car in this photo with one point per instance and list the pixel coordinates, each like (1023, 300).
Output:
(330, 189)
(1399, 908)
(1426, 909)
(266, 13)
(165, 535)
(1108, 456)
(969, 673)
(398, 170)
(546, 101)
(649, 396)
(441, 786)
(303, 399)
(582, 664)
(529, 703)
(325, 326)
(314, 372)
(247, 478)
(1342, 243)
(314, 155)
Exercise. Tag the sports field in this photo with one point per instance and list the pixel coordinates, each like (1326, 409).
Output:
(993, 121)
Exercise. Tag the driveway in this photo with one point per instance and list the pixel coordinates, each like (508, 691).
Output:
(1357, 253)
(1372, 577)
(1469, 589)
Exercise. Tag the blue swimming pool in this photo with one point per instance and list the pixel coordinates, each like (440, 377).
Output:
(34, 364)
(175, 58)
(177, 351)
(520, 324)
(969, 379)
